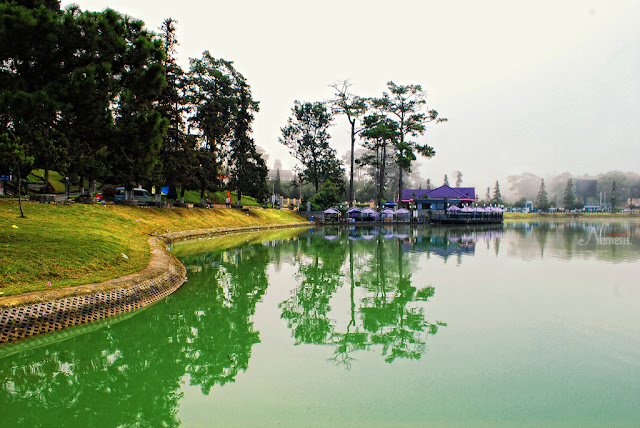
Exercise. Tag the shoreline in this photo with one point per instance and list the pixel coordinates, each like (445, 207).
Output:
(40, 312)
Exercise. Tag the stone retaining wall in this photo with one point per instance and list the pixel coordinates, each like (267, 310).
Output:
(32, 314)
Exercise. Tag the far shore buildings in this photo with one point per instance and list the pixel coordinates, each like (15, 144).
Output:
(285, 174)
(438, 199)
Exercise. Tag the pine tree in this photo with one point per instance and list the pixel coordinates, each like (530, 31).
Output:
(307, 137)
(497, 197)
(542, 201)
(405, 103)
(614, 196)
(569, 198)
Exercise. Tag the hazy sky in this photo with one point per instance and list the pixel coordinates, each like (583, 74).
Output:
(542, 87)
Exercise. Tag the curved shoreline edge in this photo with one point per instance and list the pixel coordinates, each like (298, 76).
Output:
(41, 312)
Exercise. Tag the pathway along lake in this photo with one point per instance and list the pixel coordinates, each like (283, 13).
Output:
(521, 324)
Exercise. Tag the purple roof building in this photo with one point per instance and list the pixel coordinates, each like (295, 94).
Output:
(465, 195)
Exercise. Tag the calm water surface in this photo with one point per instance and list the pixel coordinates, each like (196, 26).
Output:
(526, 324)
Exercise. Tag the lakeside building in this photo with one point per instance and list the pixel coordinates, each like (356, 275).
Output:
(448, 205)
(438, 199)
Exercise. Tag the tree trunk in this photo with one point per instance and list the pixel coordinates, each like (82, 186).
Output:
(399, 185)
(182, 195)
(81, 185)
(158, 195)
(353, 143)
(19, 192)
(382, 167)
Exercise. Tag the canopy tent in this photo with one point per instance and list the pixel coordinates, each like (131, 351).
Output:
(369, 211)
(402, 214)
(331, 214)
(387, 214)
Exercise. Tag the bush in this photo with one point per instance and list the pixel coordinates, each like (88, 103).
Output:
(328, 196)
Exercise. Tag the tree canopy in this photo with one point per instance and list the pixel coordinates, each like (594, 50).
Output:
(96, 95)
(307, 137)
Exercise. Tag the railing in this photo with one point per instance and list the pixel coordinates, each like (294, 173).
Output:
(466, 218)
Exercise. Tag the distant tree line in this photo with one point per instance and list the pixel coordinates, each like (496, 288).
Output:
(97, 96)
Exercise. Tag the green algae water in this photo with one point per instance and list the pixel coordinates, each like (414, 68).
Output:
(522, 324)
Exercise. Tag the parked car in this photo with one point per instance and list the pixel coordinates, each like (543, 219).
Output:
(142, 196)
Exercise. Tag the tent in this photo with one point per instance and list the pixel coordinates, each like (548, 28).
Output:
(387, 214)
(330, 214)
(369, 214)
(402, 214)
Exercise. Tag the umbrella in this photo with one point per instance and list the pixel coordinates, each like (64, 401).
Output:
(369, 211)
(402, 211)
(388, 211)
(454, 208)
(353, 210)
(467, 209)
(330, 211)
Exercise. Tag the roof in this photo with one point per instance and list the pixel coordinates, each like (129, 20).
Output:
(439, 193)
(407, 194)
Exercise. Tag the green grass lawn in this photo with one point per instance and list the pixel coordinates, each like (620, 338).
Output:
(220, 197)
(77, 244)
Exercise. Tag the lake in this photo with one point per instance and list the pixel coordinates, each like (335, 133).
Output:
(533, 324)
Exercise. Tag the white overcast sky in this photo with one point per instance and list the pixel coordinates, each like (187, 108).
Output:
(542, 87)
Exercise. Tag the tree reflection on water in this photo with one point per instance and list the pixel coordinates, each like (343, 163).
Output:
(129, 373)
(386, 315)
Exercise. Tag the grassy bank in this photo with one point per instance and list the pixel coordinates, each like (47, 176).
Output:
(67, 245)
(571, 216)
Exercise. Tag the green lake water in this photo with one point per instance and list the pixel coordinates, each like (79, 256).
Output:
(521, 324)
